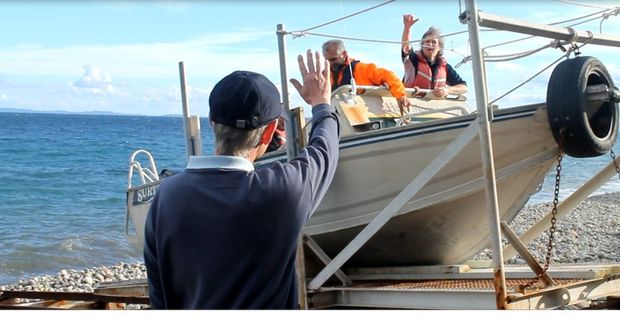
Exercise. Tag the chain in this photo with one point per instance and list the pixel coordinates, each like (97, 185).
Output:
(613, 158)
(554, 212)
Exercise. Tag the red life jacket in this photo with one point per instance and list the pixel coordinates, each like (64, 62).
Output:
(423, 76)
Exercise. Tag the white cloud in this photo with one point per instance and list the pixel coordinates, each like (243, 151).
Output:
(145, 73)
(4, 97)
(94, 81)
(214, 54)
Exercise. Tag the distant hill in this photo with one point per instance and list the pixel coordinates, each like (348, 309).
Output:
(96, 112)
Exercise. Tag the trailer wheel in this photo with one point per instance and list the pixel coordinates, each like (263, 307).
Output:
(582, 107)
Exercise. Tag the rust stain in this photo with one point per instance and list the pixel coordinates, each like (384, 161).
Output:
(456, 284)
(500, 291)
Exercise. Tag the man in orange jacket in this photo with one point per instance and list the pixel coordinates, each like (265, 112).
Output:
(363, 73)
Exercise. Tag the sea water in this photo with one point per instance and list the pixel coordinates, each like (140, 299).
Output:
(63, 179)
(62, 186)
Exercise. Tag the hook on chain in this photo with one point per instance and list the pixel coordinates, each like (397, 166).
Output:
(613, 158)
(552, 229)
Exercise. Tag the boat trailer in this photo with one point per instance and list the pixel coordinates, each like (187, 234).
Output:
(472, 285)
(466, 286)
(131, 294)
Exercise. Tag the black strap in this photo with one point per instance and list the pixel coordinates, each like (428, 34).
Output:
(346, 75)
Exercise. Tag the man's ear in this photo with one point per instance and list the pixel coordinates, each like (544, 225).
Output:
(265, 139)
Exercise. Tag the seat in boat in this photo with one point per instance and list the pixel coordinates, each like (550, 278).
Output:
(373, 107)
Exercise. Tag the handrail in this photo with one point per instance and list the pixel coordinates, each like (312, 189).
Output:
(409, 91)
(447, 111)
(146, 174)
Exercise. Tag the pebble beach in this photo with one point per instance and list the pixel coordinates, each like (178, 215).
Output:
(590, 233)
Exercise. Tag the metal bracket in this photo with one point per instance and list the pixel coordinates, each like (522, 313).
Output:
(525, 254)
(318, 251)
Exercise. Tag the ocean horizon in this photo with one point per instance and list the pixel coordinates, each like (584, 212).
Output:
(62, 202)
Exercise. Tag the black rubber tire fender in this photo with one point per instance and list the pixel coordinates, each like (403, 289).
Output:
(582, 128)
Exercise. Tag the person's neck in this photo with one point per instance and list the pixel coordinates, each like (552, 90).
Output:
(337, 69)
(430, 60)
(251, 156)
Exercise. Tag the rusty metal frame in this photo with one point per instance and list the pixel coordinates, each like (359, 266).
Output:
(364, 296)
(66, 300)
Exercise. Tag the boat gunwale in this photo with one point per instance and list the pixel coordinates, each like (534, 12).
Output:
(394, 133)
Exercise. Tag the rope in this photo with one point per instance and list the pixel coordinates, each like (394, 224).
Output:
(463, 61)
(571, 49)
(581, 4)
(554, 44)
(529, 79)
(296, 35)
(605, 17)
(301, 33)
(510, 57)
(585, 21)
(443, 35)
(345, 17)
(604, 14)
(573, 33)
(579, 18)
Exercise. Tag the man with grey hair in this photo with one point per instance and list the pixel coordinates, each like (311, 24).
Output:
(222, 234)
(427, 68)
(342, 66)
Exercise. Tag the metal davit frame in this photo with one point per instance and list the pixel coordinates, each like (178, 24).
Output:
(466, 286)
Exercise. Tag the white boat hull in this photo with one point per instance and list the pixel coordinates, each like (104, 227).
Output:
(446, 221)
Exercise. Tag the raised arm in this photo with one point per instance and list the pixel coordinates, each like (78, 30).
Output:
(316, 87)
(319, 158)
(408, 21)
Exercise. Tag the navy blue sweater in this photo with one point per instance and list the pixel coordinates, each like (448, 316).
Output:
(225, 237)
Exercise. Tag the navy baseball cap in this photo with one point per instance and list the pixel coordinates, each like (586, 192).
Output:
(245, 100)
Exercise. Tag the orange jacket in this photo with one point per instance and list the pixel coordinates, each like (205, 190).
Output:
(368, 74)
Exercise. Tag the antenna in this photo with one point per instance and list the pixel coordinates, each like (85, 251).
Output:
(351, 96)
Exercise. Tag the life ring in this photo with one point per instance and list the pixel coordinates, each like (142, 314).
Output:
(582, 106)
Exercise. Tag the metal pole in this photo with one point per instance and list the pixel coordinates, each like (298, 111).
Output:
(486, 148)
(188, 133)
(292, 151)
(291, 132)
(545, 30)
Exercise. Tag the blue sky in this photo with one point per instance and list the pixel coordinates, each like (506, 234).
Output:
(122, 56)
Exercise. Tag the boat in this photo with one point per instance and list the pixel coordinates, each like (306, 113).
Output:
(141, 188)
(425, 188)
(444, 223)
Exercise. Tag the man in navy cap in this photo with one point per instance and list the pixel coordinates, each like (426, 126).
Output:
(222, 235)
